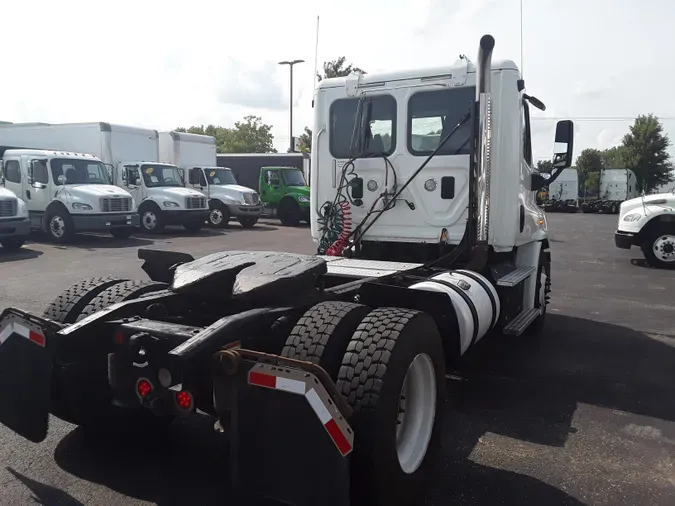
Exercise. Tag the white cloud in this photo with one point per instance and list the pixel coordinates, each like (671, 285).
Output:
(170, 63)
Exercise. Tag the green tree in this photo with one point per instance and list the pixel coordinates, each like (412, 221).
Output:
(337, 68)
(544, 166)
(305, 141)
(645, 149)
(588, 161)
(613, 158)
(248, 136)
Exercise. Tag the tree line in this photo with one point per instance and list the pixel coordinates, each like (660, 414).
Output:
(252, 135)
(643, 149)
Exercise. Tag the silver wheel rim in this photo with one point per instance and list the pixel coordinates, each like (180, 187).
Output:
(149, 220)
(57, 226)
(416, 413)
(216, 216)
(664, 248)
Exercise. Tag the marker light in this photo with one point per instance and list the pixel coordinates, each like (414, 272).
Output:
(430, 185)
(371, 185)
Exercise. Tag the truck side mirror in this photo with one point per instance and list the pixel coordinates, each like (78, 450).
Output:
(31, 180)
(563, 148)
(2, 172)
(181, 173)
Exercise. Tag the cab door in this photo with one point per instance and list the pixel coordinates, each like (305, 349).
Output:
(271, 191)
(37, 192)
(197, 180)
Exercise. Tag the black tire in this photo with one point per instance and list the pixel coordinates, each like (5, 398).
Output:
(152, 220)
(120, 292)
(193, 226)
(665, 234)
(371, 378)
(219, 214)
(68, 306)
(13, 243)
(59, 226)
(543, 283)
(289, 212)
(247, 221)
(322, 334)
(121, 232)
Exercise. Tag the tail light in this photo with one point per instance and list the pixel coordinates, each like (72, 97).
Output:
(143, 388)
(184, 400)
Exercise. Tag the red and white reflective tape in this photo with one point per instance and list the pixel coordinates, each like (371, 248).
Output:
(343, 441)
(13, 327)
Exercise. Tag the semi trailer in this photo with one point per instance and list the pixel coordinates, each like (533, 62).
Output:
(563, 194)
(614, 187)
(131, 155)
(196, 155)
(326, 372)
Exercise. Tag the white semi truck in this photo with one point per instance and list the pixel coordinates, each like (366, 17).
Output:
(14, 221)
(615, 186)
(196, 155)
(563, 193)
(65, 192)
(335, 363)
(132, 156)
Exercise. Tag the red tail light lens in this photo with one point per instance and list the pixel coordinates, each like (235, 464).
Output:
(143, 387)
(184, 399)
(119, 337)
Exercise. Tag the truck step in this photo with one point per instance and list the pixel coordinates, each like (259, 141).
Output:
(516, 276)
(357, 268)
(518, 325)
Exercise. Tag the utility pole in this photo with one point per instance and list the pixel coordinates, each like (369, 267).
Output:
(290, 129)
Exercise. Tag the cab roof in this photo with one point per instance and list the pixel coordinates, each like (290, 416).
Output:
(442, 72)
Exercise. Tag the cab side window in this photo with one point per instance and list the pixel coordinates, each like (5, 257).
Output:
(40, 172)
(12, 171)
(272, 177)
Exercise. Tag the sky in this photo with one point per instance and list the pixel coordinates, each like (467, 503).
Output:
(168, 64)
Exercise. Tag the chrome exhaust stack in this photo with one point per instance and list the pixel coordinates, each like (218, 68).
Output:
(483, 167)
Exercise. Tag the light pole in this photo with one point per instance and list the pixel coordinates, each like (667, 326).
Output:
(290, 65)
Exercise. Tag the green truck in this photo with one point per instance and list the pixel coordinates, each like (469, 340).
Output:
(279, 178)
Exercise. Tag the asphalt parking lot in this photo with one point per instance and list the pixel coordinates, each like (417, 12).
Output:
(583, 415)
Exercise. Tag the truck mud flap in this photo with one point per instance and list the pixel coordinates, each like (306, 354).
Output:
(25, 375)
(288, 440)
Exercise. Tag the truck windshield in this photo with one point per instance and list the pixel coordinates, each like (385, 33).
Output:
(220, 176)
(293, 178)
(161, 175)
(79, 171)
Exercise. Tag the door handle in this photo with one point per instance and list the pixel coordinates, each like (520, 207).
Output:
(28, 194)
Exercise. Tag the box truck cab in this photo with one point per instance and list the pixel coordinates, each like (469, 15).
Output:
(285, 190)
(159, 187)
(196, 155)
(160, 195)
(14, 222)
(68, 192)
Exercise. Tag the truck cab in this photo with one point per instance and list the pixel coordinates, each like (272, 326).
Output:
(285, 190)
(159, 189)
(227, 198)
(68, 192)
(14, 221)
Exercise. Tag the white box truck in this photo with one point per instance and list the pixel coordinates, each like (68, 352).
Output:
(65, 192)
(14, 221)
(227, 199)
(132, 157)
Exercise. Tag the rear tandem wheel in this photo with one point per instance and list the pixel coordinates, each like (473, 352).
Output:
(80, 391)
